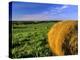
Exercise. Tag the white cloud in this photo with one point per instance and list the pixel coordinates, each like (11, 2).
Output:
(41, 16)
(51, 13)
(63, 7)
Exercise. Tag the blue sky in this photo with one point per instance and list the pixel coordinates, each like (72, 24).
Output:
(26, 11)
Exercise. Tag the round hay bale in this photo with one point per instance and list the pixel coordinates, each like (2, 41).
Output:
(62, 38)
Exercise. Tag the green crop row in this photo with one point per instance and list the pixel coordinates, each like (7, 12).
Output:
(30, 40)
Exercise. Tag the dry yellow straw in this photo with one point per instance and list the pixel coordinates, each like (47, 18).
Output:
(62, 37)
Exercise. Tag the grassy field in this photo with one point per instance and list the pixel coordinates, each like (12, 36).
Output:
(29, 39)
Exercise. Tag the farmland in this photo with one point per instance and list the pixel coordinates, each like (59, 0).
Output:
(43, 38)
(29, 39)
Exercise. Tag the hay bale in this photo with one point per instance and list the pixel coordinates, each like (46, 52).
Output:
(62, 38)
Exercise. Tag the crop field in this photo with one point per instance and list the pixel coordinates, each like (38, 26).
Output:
(29, 39)
(42, 39)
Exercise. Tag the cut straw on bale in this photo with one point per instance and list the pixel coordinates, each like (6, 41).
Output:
(62, 38)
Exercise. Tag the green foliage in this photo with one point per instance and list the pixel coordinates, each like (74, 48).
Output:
(30, 40)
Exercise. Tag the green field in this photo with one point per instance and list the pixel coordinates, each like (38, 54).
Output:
(29, 39)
